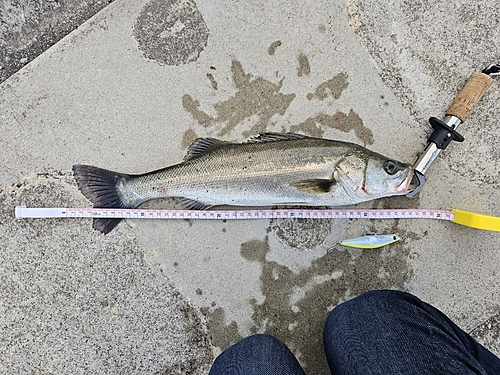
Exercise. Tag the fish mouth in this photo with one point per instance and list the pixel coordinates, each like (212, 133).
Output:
(408, 183)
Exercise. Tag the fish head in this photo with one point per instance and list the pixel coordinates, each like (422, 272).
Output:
(366, 175)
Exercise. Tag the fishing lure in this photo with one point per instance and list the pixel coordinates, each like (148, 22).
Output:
(369, 241)
(373, 241)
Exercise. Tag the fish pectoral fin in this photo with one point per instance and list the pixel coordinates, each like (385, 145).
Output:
(190, 204)
(314, 186)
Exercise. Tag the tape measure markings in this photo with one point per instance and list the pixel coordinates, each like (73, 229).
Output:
(307, 213)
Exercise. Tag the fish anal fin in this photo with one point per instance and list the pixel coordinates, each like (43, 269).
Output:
(201, 146)
(314, 186)
(191, 204)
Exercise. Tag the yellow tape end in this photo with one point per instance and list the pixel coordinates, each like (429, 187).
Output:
(473, 220)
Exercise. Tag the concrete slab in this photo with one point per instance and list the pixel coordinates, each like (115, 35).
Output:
(105, 96)
(426, 52)
(29, 28)
(95, 305)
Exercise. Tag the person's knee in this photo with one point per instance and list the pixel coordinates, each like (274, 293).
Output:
(261, 340)
(373, 298)
(360, 309)
(259, 353)
(383, 296)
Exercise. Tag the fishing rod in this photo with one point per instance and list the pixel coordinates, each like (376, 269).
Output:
(445, 131)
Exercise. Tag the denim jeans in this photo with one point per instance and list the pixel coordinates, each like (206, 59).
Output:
(380, 332)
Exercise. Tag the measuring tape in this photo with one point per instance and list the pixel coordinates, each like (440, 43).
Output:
(457, 216)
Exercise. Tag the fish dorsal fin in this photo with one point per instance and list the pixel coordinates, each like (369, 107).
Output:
(274, 137)
(203, 145)
(314, 186)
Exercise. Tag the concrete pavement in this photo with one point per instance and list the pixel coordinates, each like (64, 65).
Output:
(129, 91)
(29, 28)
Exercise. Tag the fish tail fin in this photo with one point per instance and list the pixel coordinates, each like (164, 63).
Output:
(99, 186)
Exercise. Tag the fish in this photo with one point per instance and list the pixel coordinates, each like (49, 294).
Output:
(269, 169)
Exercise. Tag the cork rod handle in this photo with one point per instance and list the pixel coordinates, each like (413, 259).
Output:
(467, 99)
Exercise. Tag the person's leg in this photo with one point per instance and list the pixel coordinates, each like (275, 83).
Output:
(257, 355)
(391, 332)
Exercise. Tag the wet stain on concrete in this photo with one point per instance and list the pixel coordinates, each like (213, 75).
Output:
(296, 304)
(301, 234)
(171, 32)
(257, 100)
(304, 68)
(254, 250)
(332, 87)
(188, 138)
(315, 126)
(192, 106)
(272, 48)
(223, 335)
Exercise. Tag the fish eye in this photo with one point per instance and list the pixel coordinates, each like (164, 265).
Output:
(390, 167)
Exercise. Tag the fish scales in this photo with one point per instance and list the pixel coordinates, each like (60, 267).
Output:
(270, 169)
(258, 173)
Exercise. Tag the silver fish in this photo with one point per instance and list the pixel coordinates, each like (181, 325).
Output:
(270, 169)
